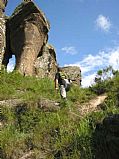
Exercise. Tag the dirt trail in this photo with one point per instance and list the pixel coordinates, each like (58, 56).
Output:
(82, 110)
(90, 106)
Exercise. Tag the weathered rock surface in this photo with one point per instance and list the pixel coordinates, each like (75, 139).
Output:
(28, 30)
(74, 73)
(3, 4)
(19, 105)
(46, 104)
(2, 30)
(46, 64)
(106, 138)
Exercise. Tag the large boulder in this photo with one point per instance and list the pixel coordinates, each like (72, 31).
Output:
(106, 138)
(28, 33)
(74, 73)
(2, 30)
(46, 64)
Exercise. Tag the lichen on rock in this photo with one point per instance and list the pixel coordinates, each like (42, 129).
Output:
(46, 64)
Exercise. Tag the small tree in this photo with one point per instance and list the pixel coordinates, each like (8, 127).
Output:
(103, 79)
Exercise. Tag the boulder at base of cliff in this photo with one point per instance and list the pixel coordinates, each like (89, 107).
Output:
(74, 73)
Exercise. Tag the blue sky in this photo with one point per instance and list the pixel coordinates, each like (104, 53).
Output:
(84, 33)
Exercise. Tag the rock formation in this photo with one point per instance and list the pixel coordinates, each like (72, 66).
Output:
(26, 38)
(27, 33)
(2, 30)
(46, 64)
(74, 73)
(106, 138)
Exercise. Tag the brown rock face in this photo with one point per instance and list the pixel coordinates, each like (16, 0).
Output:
(107, 138)
(46, 64)
(2, 31)
(3, 4)
(74, 74)
(28, 30)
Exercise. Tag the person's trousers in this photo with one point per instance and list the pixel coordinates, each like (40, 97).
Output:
(63, 91)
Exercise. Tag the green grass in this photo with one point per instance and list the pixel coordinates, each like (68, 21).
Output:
(55, 133)
(14, 85)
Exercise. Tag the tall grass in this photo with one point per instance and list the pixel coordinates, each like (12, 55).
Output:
(14, 85)
(57, 135)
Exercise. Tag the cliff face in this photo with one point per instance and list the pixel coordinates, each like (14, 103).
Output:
(27, 34)
(2, 31)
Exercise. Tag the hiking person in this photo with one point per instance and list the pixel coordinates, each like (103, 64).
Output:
(62, 82)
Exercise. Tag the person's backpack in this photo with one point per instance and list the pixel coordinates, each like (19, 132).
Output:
(67, 85)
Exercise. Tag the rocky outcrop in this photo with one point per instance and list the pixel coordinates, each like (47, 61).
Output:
(26, 38)
(28, 30)
(20, 106)
(2, 31)
(74, 73)
(46, 64)
(106, 138)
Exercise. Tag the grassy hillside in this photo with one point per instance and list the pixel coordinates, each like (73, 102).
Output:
(27, 129)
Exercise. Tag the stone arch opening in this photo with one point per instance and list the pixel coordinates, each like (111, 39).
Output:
(11, 64)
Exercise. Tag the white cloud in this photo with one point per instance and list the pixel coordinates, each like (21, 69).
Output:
(92, 64)
(114, 58)
(70, 50)
(88, 80)
(10, 67)
(103, 23)
(11, 64)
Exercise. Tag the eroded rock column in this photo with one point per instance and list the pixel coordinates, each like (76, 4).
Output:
(28, 34)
